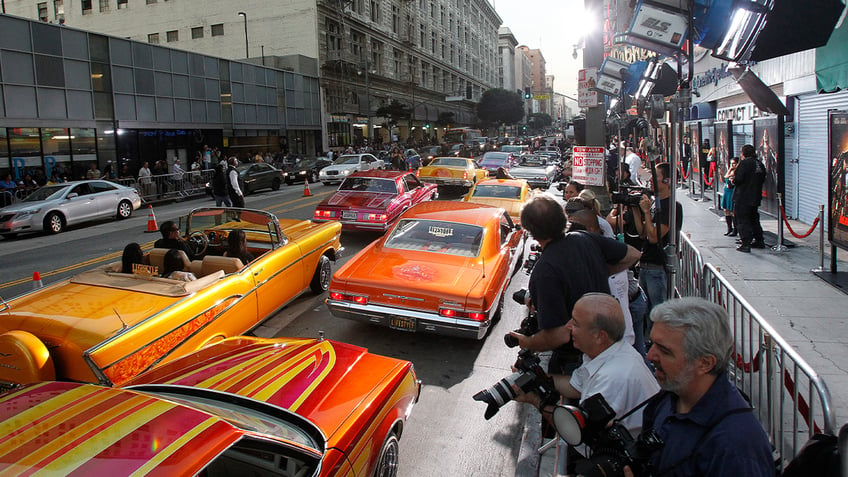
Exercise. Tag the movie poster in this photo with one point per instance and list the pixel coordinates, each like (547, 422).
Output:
(723, 145)
(838, 179)
(767, 141)
(693, 132)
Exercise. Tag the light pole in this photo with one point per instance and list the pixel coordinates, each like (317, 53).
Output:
(364, 70)
(246, 47)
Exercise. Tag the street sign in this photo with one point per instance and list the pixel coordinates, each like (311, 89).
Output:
(587, 165)
(587, 97)
(454, 98)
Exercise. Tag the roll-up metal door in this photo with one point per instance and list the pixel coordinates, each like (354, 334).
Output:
(812, 154)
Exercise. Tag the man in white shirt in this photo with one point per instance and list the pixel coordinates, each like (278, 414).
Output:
(634, 163)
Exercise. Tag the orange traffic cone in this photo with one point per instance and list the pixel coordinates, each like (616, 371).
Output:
(152, 226)
(306, 192)
(36, 281)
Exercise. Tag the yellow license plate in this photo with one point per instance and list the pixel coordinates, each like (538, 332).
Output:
(402, 323)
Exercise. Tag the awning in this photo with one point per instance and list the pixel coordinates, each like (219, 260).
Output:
(832, 61)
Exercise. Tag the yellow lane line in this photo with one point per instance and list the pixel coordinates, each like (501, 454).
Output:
(117, 255)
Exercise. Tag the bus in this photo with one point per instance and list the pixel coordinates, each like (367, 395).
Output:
(462, 135)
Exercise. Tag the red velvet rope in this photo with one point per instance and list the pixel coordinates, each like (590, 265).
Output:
(711, 174)
(813, 227)
(683, 172)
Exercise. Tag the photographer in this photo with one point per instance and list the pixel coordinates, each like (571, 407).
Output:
(651, 220)
(570, 265)
(707, 426)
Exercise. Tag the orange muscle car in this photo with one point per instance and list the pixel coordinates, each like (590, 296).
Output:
(443, 268)
(244, 406)
(511, 194)
(103, 326)
(452, 171)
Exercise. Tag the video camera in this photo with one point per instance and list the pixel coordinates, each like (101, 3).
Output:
(612, 445)
(529, 377)
(629, 196)
(529, 325)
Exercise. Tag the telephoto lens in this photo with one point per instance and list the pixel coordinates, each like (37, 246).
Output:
(502, 392)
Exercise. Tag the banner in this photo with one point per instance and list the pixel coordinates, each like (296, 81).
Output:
(838, 179)
(768, 139)
(587, 165)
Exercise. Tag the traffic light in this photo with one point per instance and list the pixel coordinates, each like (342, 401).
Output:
(527, 93)
(427, 126)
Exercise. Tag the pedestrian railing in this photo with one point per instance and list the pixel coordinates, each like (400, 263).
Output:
(169, 186)
(687, 279)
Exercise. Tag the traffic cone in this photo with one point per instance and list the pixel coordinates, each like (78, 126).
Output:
(152, 226)
(36, 281)
(306, 192)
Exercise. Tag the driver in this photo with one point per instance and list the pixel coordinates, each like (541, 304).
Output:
(171, 239)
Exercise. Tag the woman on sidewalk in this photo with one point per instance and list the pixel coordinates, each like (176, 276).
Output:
(727, 198)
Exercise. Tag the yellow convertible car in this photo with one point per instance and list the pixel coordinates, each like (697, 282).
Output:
(452, 171)
(509, 194)
(104, 326)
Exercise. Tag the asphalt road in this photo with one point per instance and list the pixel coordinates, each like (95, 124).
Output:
(446, 435)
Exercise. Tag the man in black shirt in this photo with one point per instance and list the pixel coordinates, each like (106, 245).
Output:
(747, 194)
(570, 266)
(171, 239)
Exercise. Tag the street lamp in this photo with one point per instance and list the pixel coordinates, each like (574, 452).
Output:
(246, 48)
(364, 70)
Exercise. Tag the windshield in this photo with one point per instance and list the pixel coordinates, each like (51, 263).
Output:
(511, 148)
(347, 160)
(449, 238)
(369, 184)
(497, 191)
(494, 160)
(533, 161)
(260, 227)
(449, 161)
(45, 192)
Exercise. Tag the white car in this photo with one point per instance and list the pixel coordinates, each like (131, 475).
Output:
(51, 208)
(346, 165)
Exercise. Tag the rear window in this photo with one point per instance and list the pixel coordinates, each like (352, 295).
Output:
(368, 184)
(451, 238)
(497, 191)
(449, 161)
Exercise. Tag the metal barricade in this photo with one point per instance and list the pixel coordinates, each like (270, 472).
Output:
(170, 186)
(687, 280)
(790, 399)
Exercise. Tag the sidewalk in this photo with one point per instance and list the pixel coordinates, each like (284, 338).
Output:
(809, 313)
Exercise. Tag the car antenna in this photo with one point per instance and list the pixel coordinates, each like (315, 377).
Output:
(123, 323)
(320, 335)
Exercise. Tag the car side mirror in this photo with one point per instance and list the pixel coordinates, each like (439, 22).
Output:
(72, 195)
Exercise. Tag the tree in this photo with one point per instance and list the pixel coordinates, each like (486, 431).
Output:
(394, 112)
(539, 120)
(499, 106)
(446, 118)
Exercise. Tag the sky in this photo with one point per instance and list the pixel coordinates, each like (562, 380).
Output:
(553, 26)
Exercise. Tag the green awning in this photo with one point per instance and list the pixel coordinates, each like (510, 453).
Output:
(832, 61)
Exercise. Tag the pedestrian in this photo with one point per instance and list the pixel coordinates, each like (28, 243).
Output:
(747, 194)
(233, 188)
(219, 186)
(727, 198)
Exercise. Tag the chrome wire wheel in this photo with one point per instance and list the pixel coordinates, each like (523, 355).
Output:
(389, 457)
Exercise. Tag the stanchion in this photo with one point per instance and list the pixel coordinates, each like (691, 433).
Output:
(821, 242)
(779, 247)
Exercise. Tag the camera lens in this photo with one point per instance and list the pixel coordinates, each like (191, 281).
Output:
(500, 393)
(510, 341)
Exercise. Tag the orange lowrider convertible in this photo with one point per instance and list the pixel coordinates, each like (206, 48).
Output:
(443, 268)
(244, 406)
(103, 326)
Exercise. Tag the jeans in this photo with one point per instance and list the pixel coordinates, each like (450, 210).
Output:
(653, 281)
(638, 310)
(223, 199)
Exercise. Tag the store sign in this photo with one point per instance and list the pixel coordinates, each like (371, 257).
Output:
(587, 165)
(587, 79)
(632, 54)
(742, 112)
(711, 77)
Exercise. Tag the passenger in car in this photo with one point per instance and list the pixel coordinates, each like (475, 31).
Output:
(132, 256)
(237, 246)
(173, 266)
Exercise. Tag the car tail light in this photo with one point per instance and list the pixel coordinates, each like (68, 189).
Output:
(418, 173)
(471, 315)
(323, 214)
(358, 299)
(465, 175)
(376, 217)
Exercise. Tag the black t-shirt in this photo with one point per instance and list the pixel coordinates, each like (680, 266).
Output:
(651, 253)
(174, 244)
(567, 269)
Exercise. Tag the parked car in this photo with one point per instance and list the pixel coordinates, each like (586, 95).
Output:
(52, 208)
(508, 194)
(373, 200)
(305, 170)
(258, 175)
(442, 268)
(103, 326)
(493, 160)
(346, 165)
(536, 169)
(452, 171)
(244, 406)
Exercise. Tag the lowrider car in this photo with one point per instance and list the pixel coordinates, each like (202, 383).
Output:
(244, 406)
(373, 200)
(536, 169)
(102, 326)
(452, 171)
(509, 194)
(346, 165)
(443, 268)
(52, 208)
(493, 160)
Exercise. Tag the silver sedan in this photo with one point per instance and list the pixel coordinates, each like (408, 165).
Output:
(52, 208)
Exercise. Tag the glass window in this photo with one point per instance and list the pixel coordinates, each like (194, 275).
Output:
(120, 52)
(83, 150)
(104, 5)
(42, 11)
(101, 79)
(74, 44)
(153, 38)
(165, 109)
(17, 67)
(46, 39)
(198, 88)
(4, 156)
(122, 4)
(25, 149)
(56, 143)
(103, 105)
(182, 110)
(123, 79)
(173, 35)
(210, 66)
(98, 48)
(213, 92)
(180, 86)
(86, 7)
(179, 61)
(195, 64)
(161, 59)
(16, 33)
(48, 71)
(125, 106)
(51, 103)
(142, 55)
(218, 29)
(79, 105)
(163, 84)
(144, 82)
(145, 108)
(20, 101)
(196, 32)
(151, 1)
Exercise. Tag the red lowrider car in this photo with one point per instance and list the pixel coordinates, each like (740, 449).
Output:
(373, 200)
(443, 268)
(244, 406)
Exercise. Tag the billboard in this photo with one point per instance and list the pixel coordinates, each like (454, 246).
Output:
(838, 179)
(768, 140)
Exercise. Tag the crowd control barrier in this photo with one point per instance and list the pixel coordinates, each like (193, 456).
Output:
(169, 186)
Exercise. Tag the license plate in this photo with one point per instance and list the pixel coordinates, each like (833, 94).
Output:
(402, 323)
(349, 214)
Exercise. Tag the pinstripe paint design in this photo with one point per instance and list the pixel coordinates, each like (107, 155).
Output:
(290, 375)
(174, 446)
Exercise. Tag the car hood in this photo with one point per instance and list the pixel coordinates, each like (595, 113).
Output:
(330, 383)
(359, 200)
(530, 171)
(341, 167)
(22, 206)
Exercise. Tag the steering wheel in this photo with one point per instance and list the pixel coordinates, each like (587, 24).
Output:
(198, 242)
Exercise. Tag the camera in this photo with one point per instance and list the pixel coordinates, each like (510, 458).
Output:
(529, 325)
(529, 377)
(612, 445)
(532, 258)
(629, 196)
